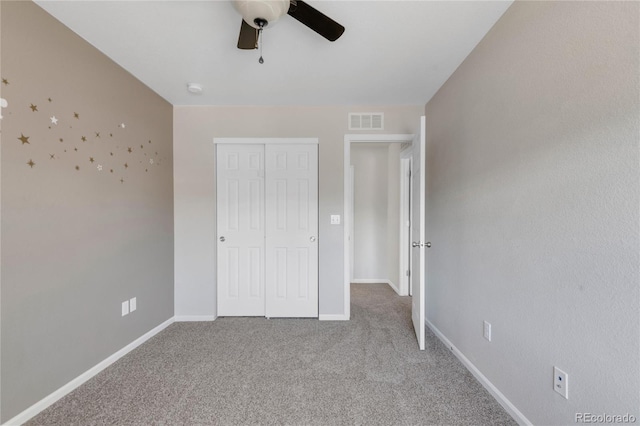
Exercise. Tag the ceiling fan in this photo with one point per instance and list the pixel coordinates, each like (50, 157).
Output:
(257, 14)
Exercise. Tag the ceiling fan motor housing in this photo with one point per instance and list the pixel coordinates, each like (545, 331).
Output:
(253, 11)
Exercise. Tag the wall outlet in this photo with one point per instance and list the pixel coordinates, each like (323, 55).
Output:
(486, 330)
(132, 304)
(125, 307)
(561, 382)
(335, 219)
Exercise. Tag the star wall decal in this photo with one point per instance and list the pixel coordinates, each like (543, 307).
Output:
(50, 100)
(24, 139)
(121, 180)
(130, 150)
(141, 146)
(91, 160)
(76, 115)
(75, 149)
(111, 153)
(126, 166)
(97, 134)
(150, 160)
(83, 139)
(122, 125)
(33, 107)
(111, 170)
(77, 167)
(99, 167)
(5, 81)
(53, 119)
(31, 163)
(61, 140)
(52, 156)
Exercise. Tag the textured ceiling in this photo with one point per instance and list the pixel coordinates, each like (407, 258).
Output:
(392, 52)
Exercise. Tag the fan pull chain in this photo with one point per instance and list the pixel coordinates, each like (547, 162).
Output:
(261, 60)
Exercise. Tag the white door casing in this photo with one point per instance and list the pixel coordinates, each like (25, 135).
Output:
(418, 234)
(292, 230)
(240, 230)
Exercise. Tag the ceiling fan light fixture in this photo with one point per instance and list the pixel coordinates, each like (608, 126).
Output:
(261, 10)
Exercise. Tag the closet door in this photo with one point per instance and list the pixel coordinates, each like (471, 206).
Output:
(240, 230)
(291, 230)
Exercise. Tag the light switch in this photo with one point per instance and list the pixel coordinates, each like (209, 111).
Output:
(132, 304)
(125, 307)
(335, 219)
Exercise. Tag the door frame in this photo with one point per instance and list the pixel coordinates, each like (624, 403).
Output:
(406, 164)
(348, 140)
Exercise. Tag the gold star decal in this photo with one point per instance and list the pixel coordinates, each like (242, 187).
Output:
(121, 180)
(130, 150)
(146, 170)
(33, 107)
(5, 81)
(31, 163)
(52, 156)
(97, 134)
(49, 99)
(111, 170)
(24, 139)
(91, 160)
(142, 146)
(110, 135)
(77, 167)
(111, 153)
(149, 141)
(76, 115)
(84, 139)
(61, 140)
(126, 165)
(75, 149)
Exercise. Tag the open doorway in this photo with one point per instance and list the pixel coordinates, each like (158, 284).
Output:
(375, 183)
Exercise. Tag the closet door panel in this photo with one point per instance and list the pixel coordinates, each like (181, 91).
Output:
(240, 230)
(291, 208)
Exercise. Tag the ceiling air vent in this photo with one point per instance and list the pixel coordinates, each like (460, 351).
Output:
(366, 121)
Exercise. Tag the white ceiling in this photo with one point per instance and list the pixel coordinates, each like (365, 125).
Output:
(392, 52)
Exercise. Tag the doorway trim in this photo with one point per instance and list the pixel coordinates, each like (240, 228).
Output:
(406, 162)
(348, 140)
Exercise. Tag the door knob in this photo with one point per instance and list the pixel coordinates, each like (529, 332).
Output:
(418, 244)
(312, 239)
(222, 239)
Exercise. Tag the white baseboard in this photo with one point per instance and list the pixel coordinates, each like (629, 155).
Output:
(377, 281)
(45, 402)
(193, 318)
(369, 281)
(499, 396)
(333, 317)
(394, 287)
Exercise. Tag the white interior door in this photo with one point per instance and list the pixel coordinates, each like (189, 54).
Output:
(240, 230)
(418, 234)
(292, 230)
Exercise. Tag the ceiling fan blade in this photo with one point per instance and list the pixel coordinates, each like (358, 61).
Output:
(316, 20)
(248, 38)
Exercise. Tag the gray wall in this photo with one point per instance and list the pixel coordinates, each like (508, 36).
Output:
(533, 205)
(76, 243)
(194, 188)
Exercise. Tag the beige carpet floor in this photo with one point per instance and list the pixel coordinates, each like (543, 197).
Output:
(237, 371)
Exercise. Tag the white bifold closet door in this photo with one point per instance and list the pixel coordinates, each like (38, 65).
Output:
(267, 230)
